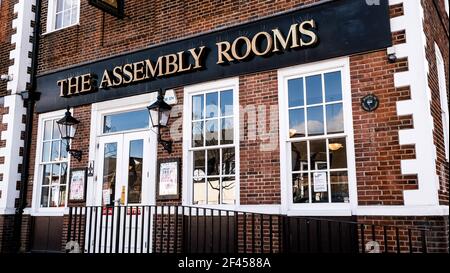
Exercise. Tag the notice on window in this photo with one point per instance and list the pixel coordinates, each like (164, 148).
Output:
(168, 178)
(320, 182)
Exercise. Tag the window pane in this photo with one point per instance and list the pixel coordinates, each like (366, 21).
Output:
(228, 186)
(318, 154)
(319, 187)
(213, 191)
(55, 150)
(199, 192)
(44, 196)
(300, 188)
(68, 4)
(48, 130)
(135, 162)
(299, 156)
(62, 196)
(226, 103)
(63, 150)
(297, 123)
(46, 151)
(213, 157)
(55, 173)
(126, 121)
(335, 119)
(66, 19)
(227, 133)
(333, 86)
(315, 121)
(74, 16)
(59, 5)
(199, 165)
(63, 178)
(54, 196)
(314, 89)
(197, 107)
(56, 133)
(212, 132)
(197, 134)
(212, 105)
(338, 153)
(59, 21)
(228, 161)
(295, 92)
(47, 174)
(109, 173)
(339, 187)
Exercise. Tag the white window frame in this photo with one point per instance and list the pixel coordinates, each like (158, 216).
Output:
(36, 209)
(51, 17)
(316, 209)
(446, 6)
(189, 91)
(440, 66)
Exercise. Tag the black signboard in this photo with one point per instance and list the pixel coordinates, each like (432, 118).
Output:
(113, 7)
(342, 27)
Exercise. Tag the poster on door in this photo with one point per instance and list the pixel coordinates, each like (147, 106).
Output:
(168, 179)
(320, 182)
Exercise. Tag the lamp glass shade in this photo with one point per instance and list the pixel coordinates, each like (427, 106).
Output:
(154, 116)
(68, 126)
(164, 119)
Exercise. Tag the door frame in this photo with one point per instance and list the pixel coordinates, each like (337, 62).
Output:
(98, 111)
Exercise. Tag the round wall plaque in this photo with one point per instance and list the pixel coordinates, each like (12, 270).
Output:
(370, 103)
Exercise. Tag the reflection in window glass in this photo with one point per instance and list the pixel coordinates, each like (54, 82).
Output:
(295, 92)
(333, 86)
(228, 187)
(318, 160)
(109, 173)
(227, 133)
(212, 105)
(214, 191)
(314, 89)
(226, 103)
(197, 107)
(297, 123)
(315, 121)
(212, 132)
(335, 119)
(126, 121)
(135, 166)
(300, 188)
(197, 134)
(66, 13)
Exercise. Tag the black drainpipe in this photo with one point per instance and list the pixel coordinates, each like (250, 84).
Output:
(30, 96)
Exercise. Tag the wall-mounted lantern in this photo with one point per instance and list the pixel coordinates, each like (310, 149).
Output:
(68, 127)
(159, 113)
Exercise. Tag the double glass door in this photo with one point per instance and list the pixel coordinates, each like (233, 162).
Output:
(124, 172)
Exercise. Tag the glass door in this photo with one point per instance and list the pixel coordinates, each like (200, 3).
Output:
(125, 186)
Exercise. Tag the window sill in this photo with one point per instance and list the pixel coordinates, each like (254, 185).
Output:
(327, 209)
(56, 30)
(47, 211)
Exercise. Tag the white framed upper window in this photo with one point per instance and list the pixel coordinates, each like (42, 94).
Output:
(211, 142)
(51, 167)
(446, 5)
(444, 100)
(62, 14)
(316, 135)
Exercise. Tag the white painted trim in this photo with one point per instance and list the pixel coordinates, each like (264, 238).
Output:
(223, 84)
(442, 83)
(46, 211)
(402, 210)
(286, 192)
(418, 106)
(37, 176)
(98, 110)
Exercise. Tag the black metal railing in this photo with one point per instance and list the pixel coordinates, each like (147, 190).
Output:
(185, 229)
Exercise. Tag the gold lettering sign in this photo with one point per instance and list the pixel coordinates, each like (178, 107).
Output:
(261, 44)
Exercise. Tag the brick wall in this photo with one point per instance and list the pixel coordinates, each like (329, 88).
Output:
(6, 233)
(436, 232)
(259, 150)
(436, 28)
(6, 17)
